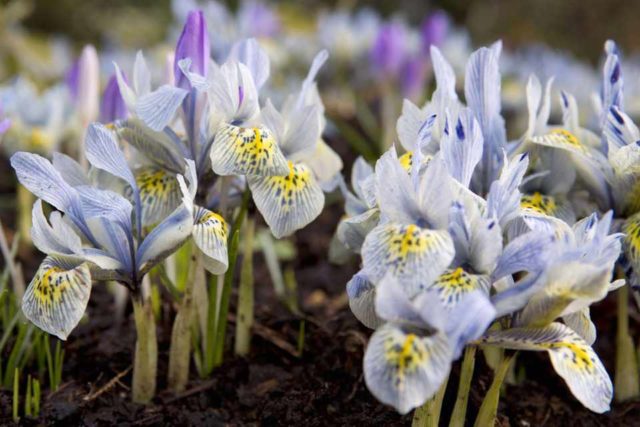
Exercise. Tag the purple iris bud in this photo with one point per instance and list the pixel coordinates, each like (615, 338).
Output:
(112, 107)
(412, 78)
(389, 49)
(434, 29)
(258, 20)
(5, 123)
(194, 44)
(71, 79)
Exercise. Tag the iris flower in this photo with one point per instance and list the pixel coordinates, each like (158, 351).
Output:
(95, 234)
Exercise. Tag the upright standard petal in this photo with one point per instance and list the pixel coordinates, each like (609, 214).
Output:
(503, 200)
(461, 145)
(287, 202)
(619, 129)
(158, 108)
(482, 91)
(612, 82)
(57, 296)
(249, 53)
(103, 153)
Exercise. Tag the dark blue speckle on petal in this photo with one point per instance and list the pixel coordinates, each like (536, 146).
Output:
(616, 115)
(615, 74)
(460, 130)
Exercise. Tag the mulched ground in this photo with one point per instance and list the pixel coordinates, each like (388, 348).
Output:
(322, 387)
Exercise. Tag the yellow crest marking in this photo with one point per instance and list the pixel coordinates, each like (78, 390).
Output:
(539, 203)
(410, 239)
(52, 284)
(631, 229)
(249, 151)
(288, 188)
(405, 356)
(578, 355)
(213, 221)
(453, 284)
(406, 161)
(567, 138)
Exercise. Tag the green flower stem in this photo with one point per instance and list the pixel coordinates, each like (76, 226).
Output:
(245, 293)
(180, 350)
(459, 413)
(489, 409)
(145, 361)
(221, 323)
(428, 415)
(626, 379)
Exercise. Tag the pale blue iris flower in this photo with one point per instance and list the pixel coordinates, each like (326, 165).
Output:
(96, 234)
(458, 247)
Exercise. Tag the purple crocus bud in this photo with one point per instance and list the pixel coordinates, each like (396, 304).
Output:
(113, 106)
(389, 49)
(71, 79)
(413, 77)
(434, 29)
(258, 20)
(5, 123)
(193, 43)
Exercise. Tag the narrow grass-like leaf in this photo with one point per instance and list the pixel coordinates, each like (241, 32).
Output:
(459, 413)
(489, 409)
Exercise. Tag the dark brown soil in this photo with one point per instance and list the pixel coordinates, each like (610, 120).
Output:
(273, 387)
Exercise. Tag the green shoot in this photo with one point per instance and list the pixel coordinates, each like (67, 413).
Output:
(221, 324)
(291, 295)
(180, 351)
(301, 335)
(54, 363)
(16, 394)
(145, 362)
(215, 358)
(245, 293)
(627, 386)
(27, 398)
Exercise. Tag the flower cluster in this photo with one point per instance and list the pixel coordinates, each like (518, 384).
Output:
(164, 161)
(469, 239)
